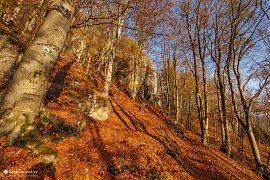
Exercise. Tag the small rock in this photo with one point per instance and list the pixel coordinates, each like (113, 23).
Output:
(113, 170)
(155, 176)
(133, 168)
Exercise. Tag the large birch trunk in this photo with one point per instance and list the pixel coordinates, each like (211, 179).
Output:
(23, 97)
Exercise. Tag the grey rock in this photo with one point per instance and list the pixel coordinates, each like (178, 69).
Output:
(96, 108)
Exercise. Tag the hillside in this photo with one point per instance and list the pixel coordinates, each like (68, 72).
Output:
(134, 89)
(137, 142)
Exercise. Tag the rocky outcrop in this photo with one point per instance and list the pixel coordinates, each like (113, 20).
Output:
(95, 107)
(89, 56)
(151, 85)
(148, 79)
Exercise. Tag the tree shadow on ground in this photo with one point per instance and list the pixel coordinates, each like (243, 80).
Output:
(57, 83)
(197, 166)
(100, 145)
(56, 128)
(167, 121)
(109, 156)
(171, 147)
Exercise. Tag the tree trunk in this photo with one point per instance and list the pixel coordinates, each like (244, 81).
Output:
(136, 73)
(226, 144)
(189, 127)
(253, 144)
(176, 91)
(205, 133)
(177, 108)
(254, 148)
(9, 55)
(199, 103)
(205, 117)
(165, 61)
(109, 69)
(221, 119)
(168, 84)
(24, 95)
(246, 107)
(215, 129)
(116, 37)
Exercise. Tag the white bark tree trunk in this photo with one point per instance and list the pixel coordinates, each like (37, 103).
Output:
(23, 97)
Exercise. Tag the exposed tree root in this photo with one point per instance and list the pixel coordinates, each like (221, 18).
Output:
(263, 171)
(26, 131)
(12, 122)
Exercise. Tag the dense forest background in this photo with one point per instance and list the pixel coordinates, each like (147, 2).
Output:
(204, 64)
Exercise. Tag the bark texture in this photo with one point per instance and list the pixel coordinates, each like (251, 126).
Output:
(9, 56)
(23, 97)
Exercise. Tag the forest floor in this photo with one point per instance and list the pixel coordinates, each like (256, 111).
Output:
(137, 142)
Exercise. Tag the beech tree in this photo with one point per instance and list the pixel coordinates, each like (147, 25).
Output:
(196, 21)
(115, 37)
(167, 75)
(18, 21)
(245, 22)
(217, 48)
(170, 75)
(22, 99)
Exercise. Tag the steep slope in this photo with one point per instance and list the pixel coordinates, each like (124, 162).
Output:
(137, 142)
